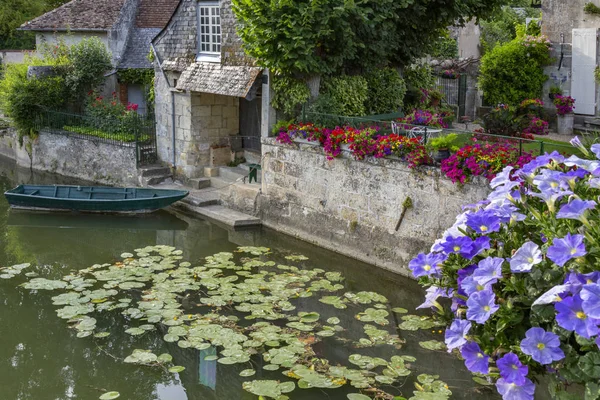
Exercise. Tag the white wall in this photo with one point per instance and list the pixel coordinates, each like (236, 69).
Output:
(70, 38)
(14, 56)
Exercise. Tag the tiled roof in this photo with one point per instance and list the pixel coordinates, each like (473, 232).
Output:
(177, 64)
(79, 15)
(155, 13)
(215, 78)
(138, 47)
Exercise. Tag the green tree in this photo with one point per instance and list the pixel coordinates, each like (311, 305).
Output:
(513, 72)
(314, 37)
(13, 13)
(501, 27)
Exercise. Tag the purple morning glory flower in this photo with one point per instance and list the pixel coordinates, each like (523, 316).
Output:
(590, 294)
(502, 178)
(526, 257)
(475, 359)
(481, 306)
(587, 165)
(550, 197)
(512, 391)
(541, 161)
(433, 293)
(456, 335)
(572, 317)
(553, 295)
(469, 286)
(479, 245)
(483, 222)
(462, 245)
(562, 250)
(542, 346)
(583, 279)
(550, 181)
(489, 270)
(426, 264)
(575, 209)
(596, 150)
(512, 370)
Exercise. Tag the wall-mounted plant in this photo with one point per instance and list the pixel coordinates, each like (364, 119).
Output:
(555, 91)
(591, 8)
(597, 74)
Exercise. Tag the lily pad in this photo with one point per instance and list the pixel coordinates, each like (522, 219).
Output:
(432, 345)
(357, 396)
(110, 396)
(176, 369)
(247, 372)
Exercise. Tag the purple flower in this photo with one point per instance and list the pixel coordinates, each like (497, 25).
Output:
(512, 391)
(572, 317)
(575, 209)
(550, 197)
(541, 161)
(481, 306)
(526, 257)
(502, 178)
(479, 245)
(553, 295)
(596, 150)
(489, 270)
(462, 245)
(426, 264)
(590, 294)
(562, 250)
(433, 293)
(550, 181)
(483, 222)
(512, 370)
(587, 165)
(456, 335)
(542, 346)
(470, 286)
(475, 359)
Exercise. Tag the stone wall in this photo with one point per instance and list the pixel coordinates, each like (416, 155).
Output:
(353, 207)
(231, 44)
(179, 38)
(69, 156)
(14, 56)
(202, 120)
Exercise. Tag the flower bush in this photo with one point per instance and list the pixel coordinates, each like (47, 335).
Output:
(110, 115)
(485, 160)
(363, 142)
(537, 126)
(425, 118)
(531, 108)
(504, 121)
(521, 277)
(564, 104)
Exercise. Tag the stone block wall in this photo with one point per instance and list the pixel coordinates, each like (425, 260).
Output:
(73, 157)
(201, 121)
(231, 44)
(353, 207)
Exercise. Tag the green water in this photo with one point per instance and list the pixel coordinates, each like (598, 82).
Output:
(41, 358)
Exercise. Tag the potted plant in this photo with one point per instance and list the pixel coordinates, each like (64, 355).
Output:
(564, 111)
(435, 97)
(442, 145)
(554, 91)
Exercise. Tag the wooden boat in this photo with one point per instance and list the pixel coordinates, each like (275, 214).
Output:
(92, 198)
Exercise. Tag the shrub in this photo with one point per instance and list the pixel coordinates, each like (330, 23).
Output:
(514, 72)
(386, 90)
(504, 121)
(537, 126)
(350, 93)
(289, 94)
(21, 98)
(425, 118)
(522, 273)
(418, 77)
(88, 60)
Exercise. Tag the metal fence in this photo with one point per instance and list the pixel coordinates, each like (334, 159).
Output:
(130, 130)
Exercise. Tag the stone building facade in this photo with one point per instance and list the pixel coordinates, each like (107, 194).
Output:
(201, 97)
(573, 34)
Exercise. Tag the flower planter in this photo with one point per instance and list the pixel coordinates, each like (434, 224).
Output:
(304, 141)
(565, 124)
(441, 154)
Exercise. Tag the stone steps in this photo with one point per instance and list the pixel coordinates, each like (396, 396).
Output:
(154, 175)
(199, 183)
(224, 215)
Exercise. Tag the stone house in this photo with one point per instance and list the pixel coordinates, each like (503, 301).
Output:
(574, 37)
(208, 92)
(126, 27)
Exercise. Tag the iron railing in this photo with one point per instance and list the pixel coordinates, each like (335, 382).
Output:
(130, 130)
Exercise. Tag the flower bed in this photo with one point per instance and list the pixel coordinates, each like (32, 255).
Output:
(485, 160)
(365, 142)
(521, 275)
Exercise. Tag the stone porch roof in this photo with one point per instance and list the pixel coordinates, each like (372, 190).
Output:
(204, 77)
(78, 15)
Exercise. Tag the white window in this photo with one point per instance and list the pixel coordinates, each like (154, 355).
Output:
(209, 31)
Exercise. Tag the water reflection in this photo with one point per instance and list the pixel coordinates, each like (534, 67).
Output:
(40, 358)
